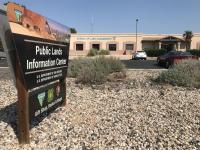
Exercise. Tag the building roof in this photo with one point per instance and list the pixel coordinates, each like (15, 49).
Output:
(167, 38)
(150, 39)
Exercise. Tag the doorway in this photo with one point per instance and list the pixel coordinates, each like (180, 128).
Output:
(169, 46)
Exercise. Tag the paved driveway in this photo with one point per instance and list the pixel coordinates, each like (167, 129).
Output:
(141, 64)
(130, 64)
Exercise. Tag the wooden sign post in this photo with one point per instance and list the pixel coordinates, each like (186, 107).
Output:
(23, 109)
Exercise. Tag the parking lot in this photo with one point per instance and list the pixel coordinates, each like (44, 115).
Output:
(130, 64)
(141, 64)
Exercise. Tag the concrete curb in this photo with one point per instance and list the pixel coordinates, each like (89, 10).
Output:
(127, 69)
(4, 67)
(147, 69)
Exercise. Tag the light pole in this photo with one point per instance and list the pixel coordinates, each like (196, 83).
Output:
(136, 34)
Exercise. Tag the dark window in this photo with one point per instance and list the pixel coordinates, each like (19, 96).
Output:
(186, 54)
(79, 47)
(112, 47)
(129, 46)
(96, 46)
(173, 53)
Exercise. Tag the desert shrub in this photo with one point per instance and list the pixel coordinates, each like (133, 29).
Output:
(104, 52)
(96, 70)
(155, 52)
(195, 52)
(76, 65)
(90, 74)
(92, 52)
(115, 65)
(186, 74)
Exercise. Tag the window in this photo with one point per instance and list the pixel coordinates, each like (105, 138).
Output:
(79, 47)
(129, 47)
(96, 46)
(18, 15)
(112, 47)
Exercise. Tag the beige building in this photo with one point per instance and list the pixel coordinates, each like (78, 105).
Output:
(125, 44)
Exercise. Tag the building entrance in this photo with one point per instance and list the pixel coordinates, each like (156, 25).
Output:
(169, 47)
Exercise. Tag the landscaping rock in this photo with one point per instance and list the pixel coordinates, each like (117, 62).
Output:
(134, 113)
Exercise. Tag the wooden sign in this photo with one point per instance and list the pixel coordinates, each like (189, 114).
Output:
(37, 50)
(42, 61)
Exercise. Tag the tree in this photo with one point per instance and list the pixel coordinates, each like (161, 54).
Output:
(188, 39)
(73, 30)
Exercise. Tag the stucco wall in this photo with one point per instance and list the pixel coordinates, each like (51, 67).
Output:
(149, 45)
(195, 41)
(121, 40)
(104, 40)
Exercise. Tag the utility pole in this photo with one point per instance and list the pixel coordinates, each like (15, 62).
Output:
(136, 34)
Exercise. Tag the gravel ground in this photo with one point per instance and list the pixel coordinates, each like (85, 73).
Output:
(133, 114)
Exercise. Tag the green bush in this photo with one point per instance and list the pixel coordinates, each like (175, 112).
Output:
(186, 74)
(96, 70)
(93, 52)
(155, 52)
(195, 52)
(104, 52)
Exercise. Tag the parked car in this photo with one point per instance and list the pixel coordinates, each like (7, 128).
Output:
(2, 55)
(174, 57)
(140, 55)
(2, 58)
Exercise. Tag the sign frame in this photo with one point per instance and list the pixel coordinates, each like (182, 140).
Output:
(23, 92)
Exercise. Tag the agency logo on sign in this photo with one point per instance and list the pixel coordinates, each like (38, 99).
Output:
(50, 95)
(58, 90)
(41, 98)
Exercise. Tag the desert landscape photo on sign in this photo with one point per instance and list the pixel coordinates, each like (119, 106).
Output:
(26, 22)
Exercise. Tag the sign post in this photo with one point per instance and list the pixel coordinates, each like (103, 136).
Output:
(23, 109)
(37, 50)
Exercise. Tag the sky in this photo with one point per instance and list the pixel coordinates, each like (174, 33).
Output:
(119, 16)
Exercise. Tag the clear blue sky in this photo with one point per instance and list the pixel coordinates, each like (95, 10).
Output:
(118, 16)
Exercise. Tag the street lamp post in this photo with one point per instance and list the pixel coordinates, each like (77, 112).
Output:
(136, 34)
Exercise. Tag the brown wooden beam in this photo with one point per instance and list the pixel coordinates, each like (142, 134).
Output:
(23, 109)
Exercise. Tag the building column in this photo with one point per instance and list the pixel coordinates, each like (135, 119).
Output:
(179, 46)
(160, 45)
(174, 47)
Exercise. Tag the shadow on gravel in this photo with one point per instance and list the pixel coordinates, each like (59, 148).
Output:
(141, 64)
(9, 116)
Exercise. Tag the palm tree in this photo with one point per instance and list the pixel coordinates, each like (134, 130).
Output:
(188, 38)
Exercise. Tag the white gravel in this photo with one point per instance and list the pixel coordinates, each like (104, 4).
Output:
(133, 114)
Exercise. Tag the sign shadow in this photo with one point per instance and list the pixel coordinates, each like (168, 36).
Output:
(8, 115)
